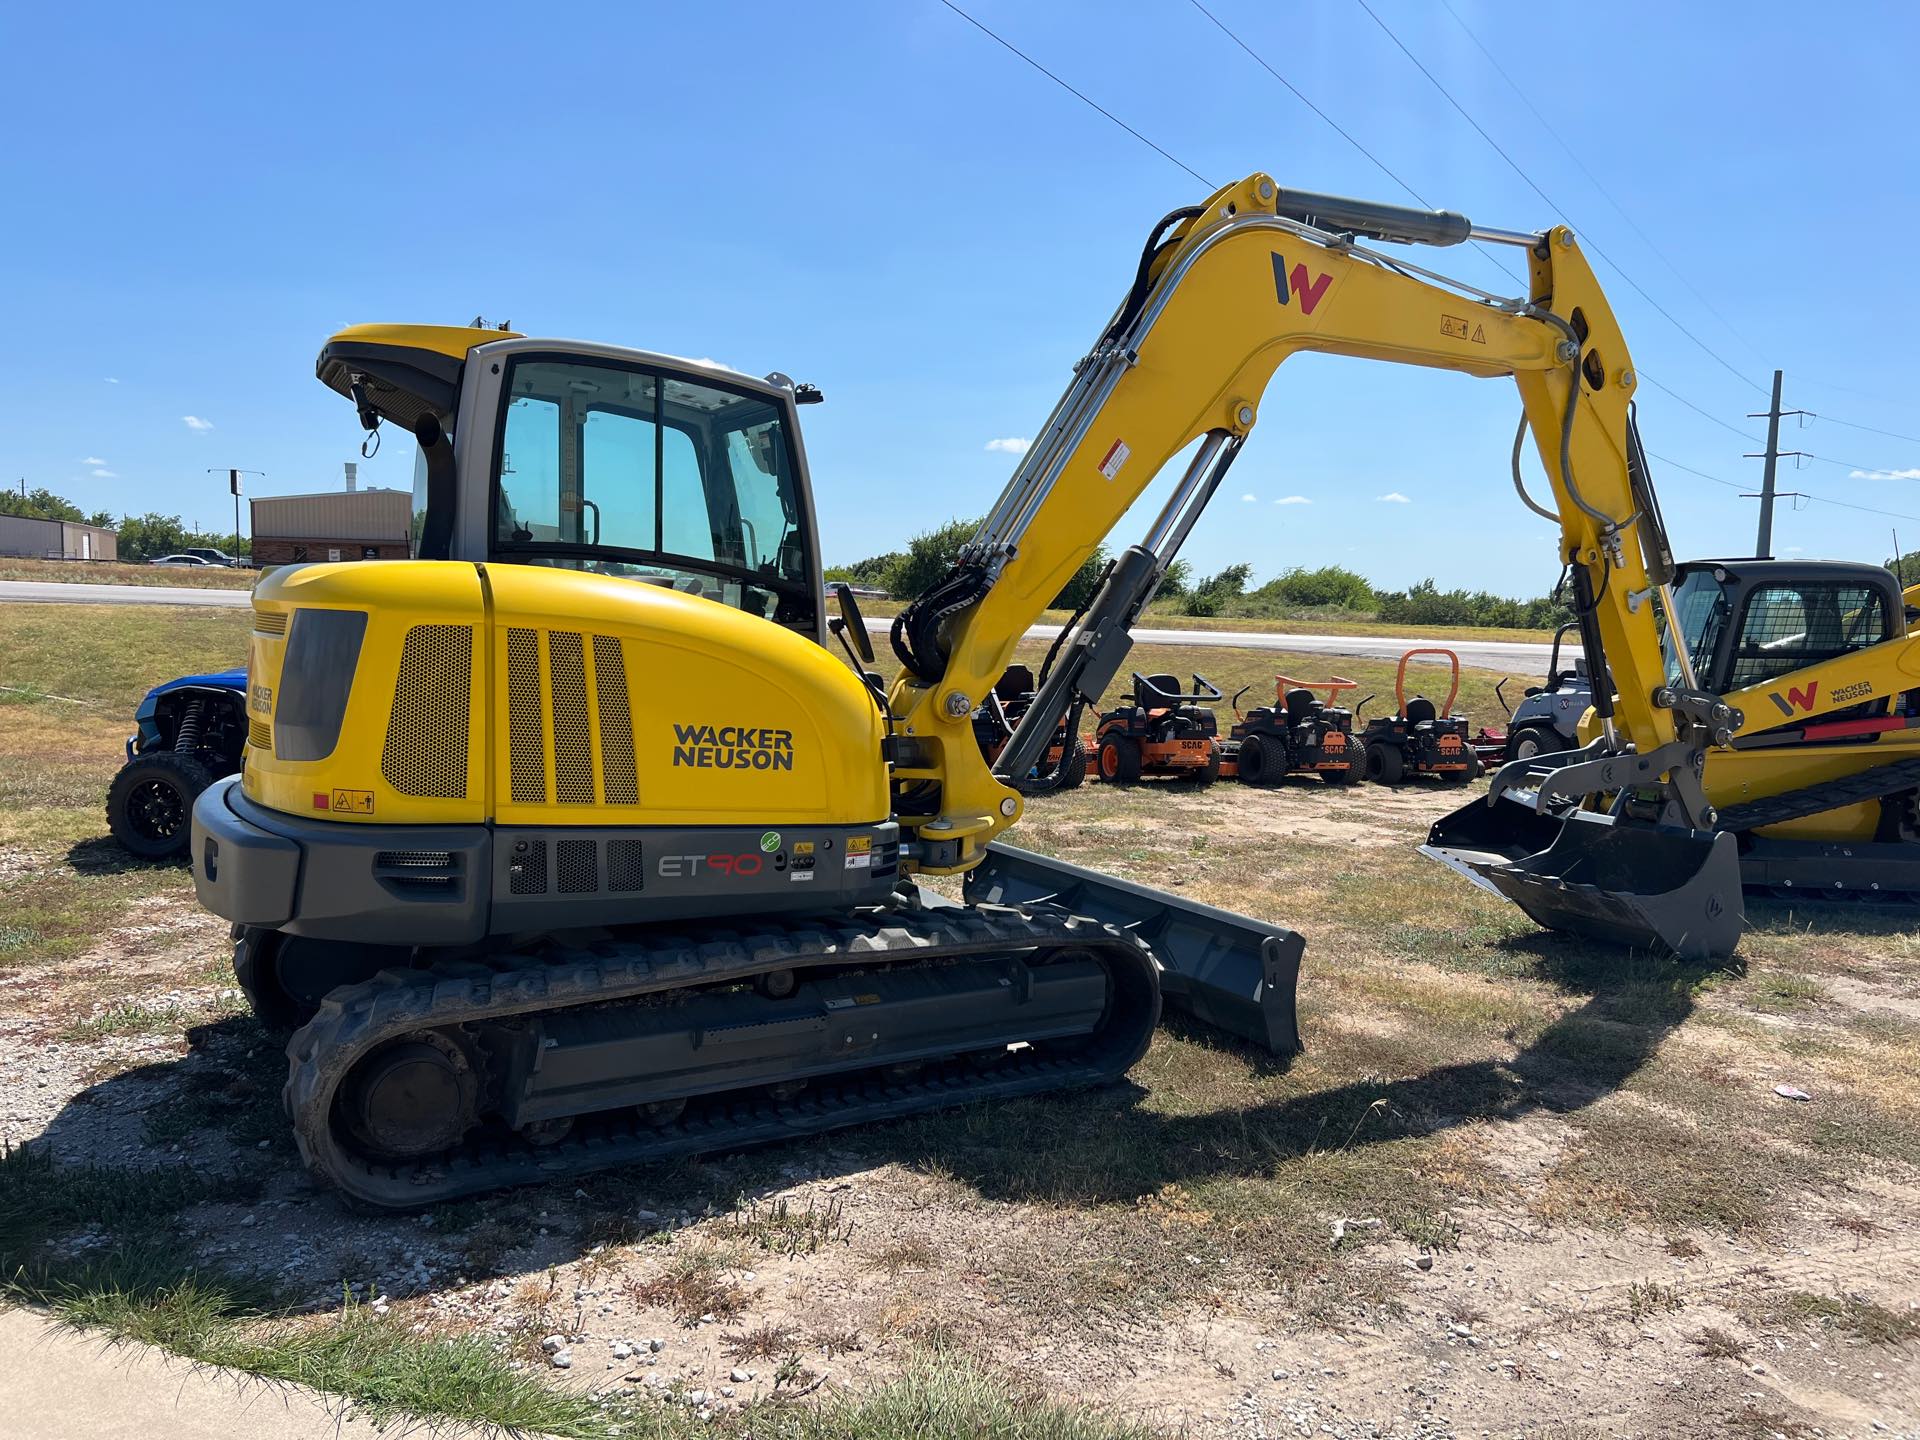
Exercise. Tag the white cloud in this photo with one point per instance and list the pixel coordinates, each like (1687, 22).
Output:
(1883, 474)
(113, 379)
(93, 460)
(1293, 500)
(194, 422)
(105, 475)
(1011, 445)
(1249, 498)
(1394, 497)
(1794, 550)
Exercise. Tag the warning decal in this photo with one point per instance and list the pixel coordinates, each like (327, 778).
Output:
(1114, 459)
(352, 802)
(859, 852)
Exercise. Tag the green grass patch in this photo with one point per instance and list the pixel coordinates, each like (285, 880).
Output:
(1861, 1319)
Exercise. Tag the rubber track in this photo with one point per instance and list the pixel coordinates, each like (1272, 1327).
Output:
(355, 1018)
(1812, 799)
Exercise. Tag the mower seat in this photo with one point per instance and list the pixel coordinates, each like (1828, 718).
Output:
(1300, 704)
(1421, 711)
(1166, 684)
(1015, 684)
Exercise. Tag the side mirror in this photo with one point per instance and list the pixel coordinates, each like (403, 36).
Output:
(849, 625)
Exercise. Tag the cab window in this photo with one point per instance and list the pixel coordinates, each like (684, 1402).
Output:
(655, 477)
(1786, 627)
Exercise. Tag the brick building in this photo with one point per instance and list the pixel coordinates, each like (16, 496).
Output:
(332, 525)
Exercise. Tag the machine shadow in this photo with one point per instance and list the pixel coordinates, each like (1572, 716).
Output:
(1087, 1147)
(1107, 1146)
(103, 855)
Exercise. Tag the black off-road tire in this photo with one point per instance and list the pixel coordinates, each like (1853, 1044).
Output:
(150, 803)
(1119, 759)
(1209, 772)
(1073, 768)
(1256, 766)
(1385, 764)
(1356, 770)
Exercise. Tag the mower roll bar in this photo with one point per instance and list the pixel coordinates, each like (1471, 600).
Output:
(1400, 677)
(1203, 689)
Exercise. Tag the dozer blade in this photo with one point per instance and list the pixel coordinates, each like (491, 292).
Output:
(1225, 970)
(1656, 888)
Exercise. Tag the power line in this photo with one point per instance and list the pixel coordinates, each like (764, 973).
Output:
(1337, 127)
(1870, 429)
(1705, 414)
(1078, 95)
(1548, 200)
(1606, 194)
(1817, 499)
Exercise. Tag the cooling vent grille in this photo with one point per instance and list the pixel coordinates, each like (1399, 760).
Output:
(259, 734)
(426, 748)
(270, 622)
(560, 708)
(581, 866)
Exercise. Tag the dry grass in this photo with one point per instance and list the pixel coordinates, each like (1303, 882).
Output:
(107, 572)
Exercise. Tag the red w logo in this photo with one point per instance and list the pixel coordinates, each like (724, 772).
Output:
(1309, 289)
(1801, 698)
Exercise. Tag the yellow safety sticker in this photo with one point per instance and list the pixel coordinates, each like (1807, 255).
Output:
(352, 802)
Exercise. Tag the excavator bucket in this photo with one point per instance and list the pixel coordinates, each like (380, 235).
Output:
(1228, 971)
(1656, 888)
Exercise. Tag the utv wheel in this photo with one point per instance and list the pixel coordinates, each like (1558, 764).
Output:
(1357, 762)
(1385, 764)
(1532, 741)
(1257, 767)
(1120, 759)
(150, 803)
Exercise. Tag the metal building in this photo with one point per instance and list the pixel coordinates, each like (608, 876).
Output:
(331, 525)
(56, 539)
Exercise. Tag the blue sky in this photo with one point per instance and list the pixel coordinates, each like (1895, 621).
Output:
(877, 198)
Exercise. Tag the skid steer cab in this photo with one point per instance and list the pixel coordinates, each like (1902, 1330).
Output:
(1420, 738)
(1064, 763)
(1162, 729)
(1299, 733)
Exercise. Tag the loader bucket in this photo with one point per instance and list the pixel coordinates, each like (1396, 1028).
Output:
(1234, 973)
(1662, 889)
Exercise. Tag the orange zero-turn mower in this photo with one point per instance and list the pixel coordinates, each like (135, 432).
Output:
(1161, 729)
(1062, 767)
(1298, 733)
(1421, 738)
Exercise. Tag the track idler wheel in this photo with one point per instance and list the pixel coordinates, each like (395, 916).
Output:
(413, 1097)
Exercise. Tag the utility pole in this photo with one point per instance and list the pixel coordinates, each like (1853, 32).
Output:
(1763, 544)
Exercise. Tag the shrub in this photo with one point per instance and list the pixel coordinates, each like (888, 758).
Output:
(1330, 585)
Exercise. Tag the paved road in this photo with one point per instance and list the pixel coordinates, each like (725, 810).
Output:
(60, 592)
(1516, 657)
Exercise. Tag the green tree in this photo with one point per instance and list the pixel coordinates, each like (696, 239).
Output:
(145, 537)
(875, 570)
(1179, 577)
(1330, 585)
(1081, 585)
(1209, 595)
(929, 556)
(40, 503)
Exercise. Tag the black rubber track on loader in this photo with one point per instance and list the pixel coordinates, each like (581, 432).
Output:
(355, 1019)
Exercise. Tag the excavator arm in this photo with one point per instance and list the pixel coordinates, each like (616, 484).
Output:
(1225, 292)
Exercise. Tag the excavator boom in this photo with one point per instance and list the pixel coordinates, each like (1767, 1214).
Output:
(1226, 292)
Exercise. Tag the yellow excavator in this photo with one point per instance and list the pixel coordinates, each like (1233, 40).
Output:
(570, 843)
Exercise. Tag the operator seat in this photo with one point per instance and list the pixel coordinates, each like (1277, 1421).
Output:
(1421, 711)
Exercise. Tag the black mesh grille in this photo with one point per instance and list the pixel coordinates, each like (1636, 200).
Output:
(626, 867)
(426, 749)
(616, 722)
(527, 749)
(577, 867)
(572, 744)
(527, 870)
